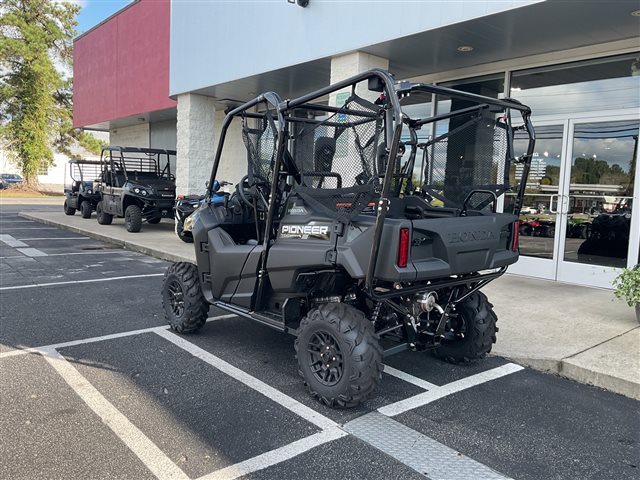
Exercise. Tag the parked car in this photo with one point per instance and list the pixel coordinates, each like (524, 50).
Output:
(9, 179)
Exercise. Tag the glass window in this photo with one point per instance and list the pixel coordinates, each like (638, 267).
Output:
(602, 84)
(539, 212)
(601, 192)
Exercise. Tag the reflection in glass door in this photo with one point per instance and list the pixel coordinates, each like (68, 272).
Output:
(597, 200)
(539, 213)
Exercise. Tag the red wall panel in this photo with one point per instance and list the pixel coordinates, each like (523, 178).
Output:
(121, 67)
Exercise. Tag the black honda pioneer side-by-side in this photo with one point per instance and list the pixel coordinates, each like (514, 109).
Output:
(359, 229)
(137, 184)
(80, 187)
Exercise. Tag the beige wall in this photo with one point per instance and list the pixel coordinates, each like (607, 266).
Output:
(134, 136)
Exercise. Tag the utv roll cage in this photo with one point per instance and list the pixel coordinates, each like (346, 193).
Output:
(373, 125)
(82, 173)
(123, 161)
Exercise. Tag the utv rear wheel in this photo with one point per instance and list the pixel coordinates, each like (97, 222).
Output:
(103, 217)
(133, 218)
(185, 307)
(85, 209)
(339, 355)
(471, 332)
(68, 210)
(186, 237)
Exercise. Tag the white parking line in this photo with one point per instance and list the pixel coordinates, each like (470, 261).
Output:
(423, 454)
(276, 456)
(16, 221)
(11, 241)
(29, 228)
(52, 238)
(93, 252)
(268, 391)
(147, 451)
(453, 387)
(93, 280)
(102, 338)
(32, 252)
(409, 378)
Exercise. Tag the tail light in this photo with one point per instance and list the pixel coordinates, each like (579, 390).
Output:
(403, 248)
(516, 236)
(180, 197)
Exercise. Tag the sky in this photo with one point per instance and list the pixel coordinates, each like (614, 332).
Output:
(95, 11)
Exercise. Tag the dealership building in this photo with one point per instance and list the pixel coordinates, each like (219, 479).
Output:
(162, 73)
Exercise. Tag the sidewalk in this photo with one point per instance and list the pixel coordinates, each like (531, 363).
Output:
(581, 333)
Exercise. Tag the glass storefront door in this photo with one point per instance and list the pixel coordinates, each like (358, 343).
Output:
(578, 223)
(539, 214)
(597, 201)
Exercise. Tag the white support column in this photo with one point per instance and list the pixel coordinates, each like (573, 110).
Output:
(195, 142)
(345, 66)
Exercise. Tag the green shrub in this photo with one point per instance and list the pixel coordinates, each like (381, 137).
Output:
(627, 285)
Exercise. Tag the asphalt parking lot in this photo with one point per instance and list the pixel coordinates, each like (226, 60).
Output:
(93, 385)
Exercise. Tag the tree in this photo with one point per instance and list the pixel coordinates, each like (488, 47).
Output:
(35, 97)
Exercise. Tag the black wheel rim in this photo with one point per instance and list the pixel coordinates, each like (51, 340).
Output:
(325, 358)
(455, 329)
(176, 297)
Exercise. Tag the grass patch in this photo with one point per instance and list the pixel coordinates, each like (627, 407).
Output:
(24, 191)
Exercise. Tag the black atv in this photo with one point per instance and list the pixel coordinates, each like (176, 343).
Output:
(81, 193)
(137, 184)
(187, 204)
(358, 229)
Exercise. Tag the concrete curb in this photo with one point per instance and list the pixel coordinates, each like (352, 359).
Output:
(129, 245)
(599, 379)
(567, 369)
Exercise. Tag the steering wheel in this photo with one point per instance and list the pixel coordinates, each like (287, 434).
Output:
(243, 188)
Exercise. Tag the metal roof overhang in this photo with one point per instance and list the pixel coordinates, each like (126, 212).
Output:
(540, 28)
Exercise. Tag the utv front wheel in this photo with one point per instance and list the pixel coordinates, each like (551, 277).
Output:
(85, 209)
(339, 355)
(185, 307)
(133, 218)
(68, 210)
(470, 331)
(186, 237)
(103, 217)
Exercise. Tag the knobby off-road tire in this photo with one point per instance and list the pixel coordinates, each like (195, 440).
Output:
(154, 220)
(85, 209)
(103, 217)
(352, 351)
(478, 326)
(133, 218)
(186, 237)
(185, 307)
(68, 210)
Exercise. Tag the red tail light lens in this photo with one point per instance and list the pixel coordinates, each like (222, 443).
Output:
(516, 236)
(403, 248)
(180, 197)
